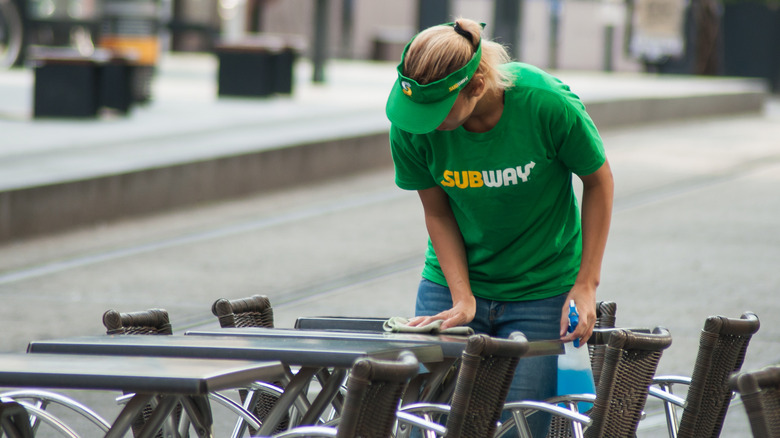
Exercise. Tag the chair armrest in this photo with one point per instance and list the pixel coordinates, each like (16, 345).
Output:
(667, 396)
(671, 379)
(664, 389)
(52, 397)
(46, 417)
(526, 408)
(546, 407)
(571, 400)
(425, 408)
(419, 415)
(406, 418)
(308, 431)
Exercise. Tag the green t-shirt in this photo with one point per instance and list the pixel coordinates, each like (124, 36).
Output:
(510, 188)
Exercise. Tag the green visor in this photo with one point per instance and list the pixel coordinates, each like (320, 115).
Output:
(420, 109)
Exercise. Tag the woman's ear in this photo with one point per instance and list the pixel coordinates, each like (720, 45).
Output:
(477, 86)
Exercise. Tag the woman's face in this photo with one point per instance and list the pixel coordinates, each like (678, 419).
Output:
(460, 112)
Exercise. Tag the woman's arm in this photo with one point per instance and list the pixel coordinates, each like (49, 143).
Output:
(597, 193)
(448, 244)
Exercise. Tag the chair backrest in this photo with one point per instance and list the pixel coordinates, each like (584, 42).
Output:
(760, 392)
(486, 371)
(145, 322)
(374, 391)
(722, 346)
(605, 319)
(254, 311)
(630, 362)
(14, 421)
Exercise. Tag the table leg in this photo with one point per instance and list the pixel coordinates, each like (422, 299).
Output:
(161, 413)
(437, 385)
(291, 392)
(125, 418)
(329, 390)
(199, 411)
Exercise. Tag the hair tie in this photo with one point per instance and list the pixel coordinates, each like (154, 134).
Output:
(461, 31)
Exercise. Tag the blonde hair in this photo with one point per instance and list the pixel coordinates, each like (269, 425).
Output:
(440, 50)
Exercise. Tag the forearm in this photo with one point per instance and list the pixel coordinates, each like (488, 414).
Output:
(450, 251)
(596, 218)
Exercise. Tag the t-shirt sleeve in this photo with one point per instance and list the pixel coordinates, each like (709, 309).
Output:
(411, 168)
(577, 139)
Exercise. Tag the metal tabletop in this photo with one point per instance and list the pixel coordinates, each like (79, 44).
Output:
(132, 374)
(184, 381)
(451, 345)
(318, 352)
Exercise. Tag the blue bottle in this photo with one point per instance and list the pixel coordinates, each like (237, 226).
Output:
(574, 373)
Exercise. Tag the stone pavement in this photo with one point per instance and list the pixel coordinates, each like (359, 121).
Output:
(188, 146)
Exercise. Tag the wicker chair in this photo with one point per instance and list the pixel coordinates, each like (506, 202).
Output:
(484, 377)
(255, 311)
(14, 420)
(374, 391)
(722, 346)
(145, 322)
(630, 361)
(605, 319)
(760, 392)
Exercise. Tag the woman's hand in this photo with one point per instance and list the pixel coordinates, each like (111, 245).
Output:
(585, 300)
(461, 313)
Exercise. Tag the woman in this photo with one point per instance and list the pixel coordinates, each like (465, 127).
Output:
(491, 147)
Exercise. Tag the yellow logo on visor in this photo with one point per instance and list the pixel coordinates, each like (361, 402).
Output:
(407, 88)
(458, 84)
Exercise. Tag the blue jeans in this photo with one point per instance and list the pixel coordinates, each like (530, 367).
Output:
(535, 377)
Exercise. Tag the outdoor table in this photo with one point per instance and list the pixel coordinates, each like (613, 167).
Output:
(185, 381)
(425, 387)
(429, 387)
(311, 354)
(451, 345)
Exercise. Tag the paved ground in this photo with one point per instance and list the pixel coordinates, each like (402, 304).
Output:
(695, 233)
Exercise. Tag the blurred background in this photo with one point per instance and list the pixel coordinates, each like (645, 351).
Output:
(704, 37)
